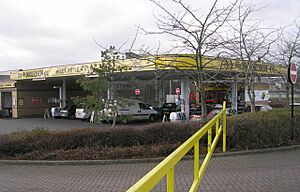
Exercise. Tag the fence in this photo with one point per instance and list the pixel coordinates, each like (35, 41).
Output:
(166, 167)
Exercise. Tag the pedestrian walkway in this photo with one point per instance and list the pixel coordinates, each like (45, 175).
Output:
(274, 171)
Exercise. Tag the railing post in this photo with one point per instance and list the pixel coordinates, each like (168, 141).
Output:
(196, 161)
(217, 126)
(209, 140)
(224, 127)
(170, 180)
(166, 168)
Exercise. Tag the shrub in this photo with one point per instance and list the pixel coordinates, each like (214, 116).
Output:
(39, 143)
(32, 134)
(245, 131)
(261, 130)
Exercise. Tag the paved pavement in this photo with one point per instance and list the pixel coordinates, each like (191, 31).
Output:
(274, 171)
(10, 125)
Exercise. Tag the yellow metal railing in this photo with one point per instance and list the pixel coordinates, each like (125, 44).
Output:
(167, 166)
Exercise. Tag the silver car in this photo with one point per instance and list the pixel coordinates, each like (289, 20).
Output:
(259, 108)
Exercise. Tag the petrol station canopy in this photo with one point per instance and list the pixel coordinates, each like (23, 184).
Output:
(166, 62)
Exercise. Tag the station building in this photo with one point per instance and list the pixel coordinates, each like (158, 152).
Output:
(29, 92)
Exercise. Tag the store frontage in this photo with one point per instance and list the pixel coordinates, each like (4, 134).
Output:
(36, 90)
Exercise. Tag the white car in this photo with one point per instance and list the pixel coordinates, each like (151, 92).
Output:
(82, 113)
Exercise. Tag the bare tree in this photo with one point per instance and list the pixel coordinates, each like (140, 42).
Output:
(112, 63)
(288, 50)
(252, 44)
(195, 32)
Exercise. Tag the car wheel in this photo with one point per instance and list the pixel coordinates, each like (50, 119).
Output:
(152, 118)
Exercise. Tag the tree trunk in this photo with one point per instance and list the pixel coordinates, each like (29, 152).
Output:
(251, 94)
(114, 121)
(202, 99)
(253, 101)
(287, 87)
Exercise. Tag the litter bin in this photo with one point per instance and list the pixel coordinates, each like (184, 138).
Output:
(177, 117)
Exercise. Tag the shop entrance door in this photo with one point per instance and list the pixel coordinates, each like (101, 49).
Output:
(6, 99)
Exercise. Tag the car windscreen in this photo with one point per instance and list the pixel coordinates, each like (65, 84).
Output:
(142, 106)
(195, 111)
(168, 105)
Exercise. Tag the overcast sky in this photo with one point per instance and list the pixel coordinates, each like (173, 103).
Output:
(39, 33)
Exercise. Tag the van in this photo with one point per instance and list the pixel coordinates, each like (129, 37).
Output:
(133, 110)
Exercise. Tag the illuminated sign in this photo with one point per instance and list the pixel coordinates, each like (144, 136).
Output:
(59, 71)
(181, 62)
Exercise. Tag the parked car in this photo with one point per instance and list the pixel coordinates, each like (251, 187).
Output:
(82, 113)
(215, 111)
(195, 114)
(134, 110)
(167, 108)
(259, 108)
(66, 112)
(230, 111)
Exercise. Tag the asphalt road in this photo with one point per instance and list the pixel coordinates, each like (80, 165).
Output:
(267, 172)
(11, 125)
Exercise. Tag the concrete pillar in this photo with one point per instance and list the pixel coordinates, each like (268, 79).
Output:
(0, 100)
(14, 104)
(157, 101)
(185, 92)
(64, 93)
(108, 94)
(60, 90)
(161, 94)
(170, 87)
(234, 95)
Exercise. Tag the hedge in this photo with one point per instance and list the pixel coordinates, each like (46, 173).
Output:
(157, 139)
(262, 130)
(245, 131)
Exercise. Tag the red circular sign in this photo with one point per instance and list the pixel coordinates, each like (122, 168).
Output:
(293, 73)
(137, 91)
(178, 91)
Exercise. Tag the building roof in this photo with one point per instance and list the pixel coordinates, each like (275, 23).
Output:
(166, 62)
